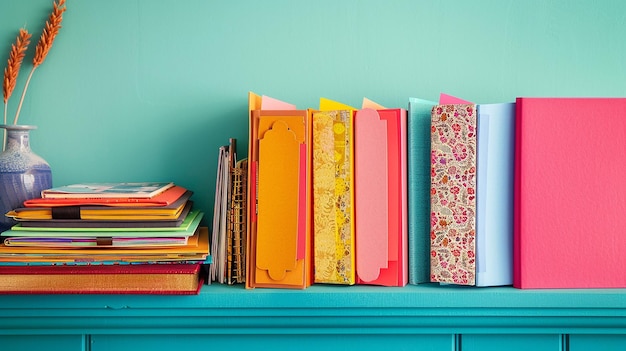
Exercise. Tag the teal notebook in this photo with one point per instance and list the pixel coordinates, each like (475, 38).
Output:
(187, 228)
(418, 144)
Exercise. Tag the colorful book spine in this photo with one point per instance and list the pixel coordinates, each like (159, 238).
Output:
(333, 197)
(453, 194)
(159, 279)
(381, 197)
(418, 153)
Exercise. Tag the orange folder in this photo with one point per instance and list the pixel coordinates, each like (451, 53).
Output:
(279, 229)
(381, 197)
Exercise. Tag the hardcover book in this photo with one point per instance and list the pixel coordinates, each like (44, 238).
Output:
(39, 218)
(418, 154)
(570, 194)
(197, 248)
(333, 196)
(160, 279)
(164, 198)
(79, 242)
(187, 228)
(453, 194)
(380, 197)
(472, 193)
(106, 190)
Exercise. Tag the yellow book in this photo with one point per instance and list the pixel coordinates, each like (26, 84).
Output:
(333, 193)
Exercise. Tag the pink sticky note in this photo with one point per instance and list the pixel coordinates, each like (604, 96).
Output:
(445, 99)
(269, 103)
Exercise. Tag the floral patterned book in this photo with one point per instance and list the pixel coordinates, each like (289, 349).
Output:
(453, 194)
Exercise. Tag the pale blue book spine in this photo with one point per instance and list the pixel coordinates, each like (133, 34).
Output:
(494, 199)
(418, 153)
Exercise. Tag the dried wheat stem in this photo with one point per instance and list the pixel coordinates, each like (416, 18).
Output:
(19, 106)
(4, 131)
(50, 31)
(18, 51)
(16, 56)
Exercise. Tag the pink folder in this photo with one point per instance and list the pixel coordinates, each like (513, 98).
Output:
(570, 193)
(381, 197)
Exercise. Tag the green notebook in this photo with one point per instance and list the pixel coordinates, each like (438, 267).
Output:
(187, 228)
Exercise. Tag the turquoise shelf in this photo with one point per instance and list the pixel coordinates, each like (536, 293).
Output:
(346, 311)
(426, 296)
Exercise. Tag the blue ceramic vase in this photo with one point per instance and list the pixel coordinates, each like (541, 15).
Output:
(23, 174)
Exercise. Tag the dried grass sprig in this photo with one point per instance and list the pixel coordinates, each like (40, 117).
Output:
(49, 33)
(16, 56)
(18, 51)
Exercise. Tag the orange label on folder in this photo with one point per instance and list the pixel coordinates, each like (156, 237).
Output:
(278, 204)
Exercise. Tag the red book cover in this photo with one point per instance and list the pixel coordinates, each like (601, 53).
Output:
(570, 193)
(158, 278)
(165, 198)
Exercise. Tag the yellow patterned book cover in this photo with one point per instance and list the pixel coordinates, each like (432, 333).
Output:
(333, 197)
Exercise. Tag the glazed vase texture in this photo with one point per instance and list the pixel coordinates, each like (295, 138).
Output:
(23, 174)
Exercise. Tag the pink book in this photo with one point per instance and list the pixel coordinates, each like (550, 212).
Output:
(380, 197)
(570, 193)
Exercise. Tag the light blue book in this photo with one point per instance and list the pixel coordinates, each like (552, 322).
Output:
(418, 153)
(494, 199)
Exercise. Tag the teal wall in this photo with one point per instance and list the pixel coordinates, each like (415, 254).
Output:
(148, 89)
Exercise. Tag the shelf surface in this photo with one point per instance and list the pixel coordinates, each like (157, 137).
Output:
(411, 310)
(426, 296)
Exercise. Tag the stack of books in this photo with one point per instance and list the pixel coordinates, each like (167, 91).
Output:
(133, 238)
